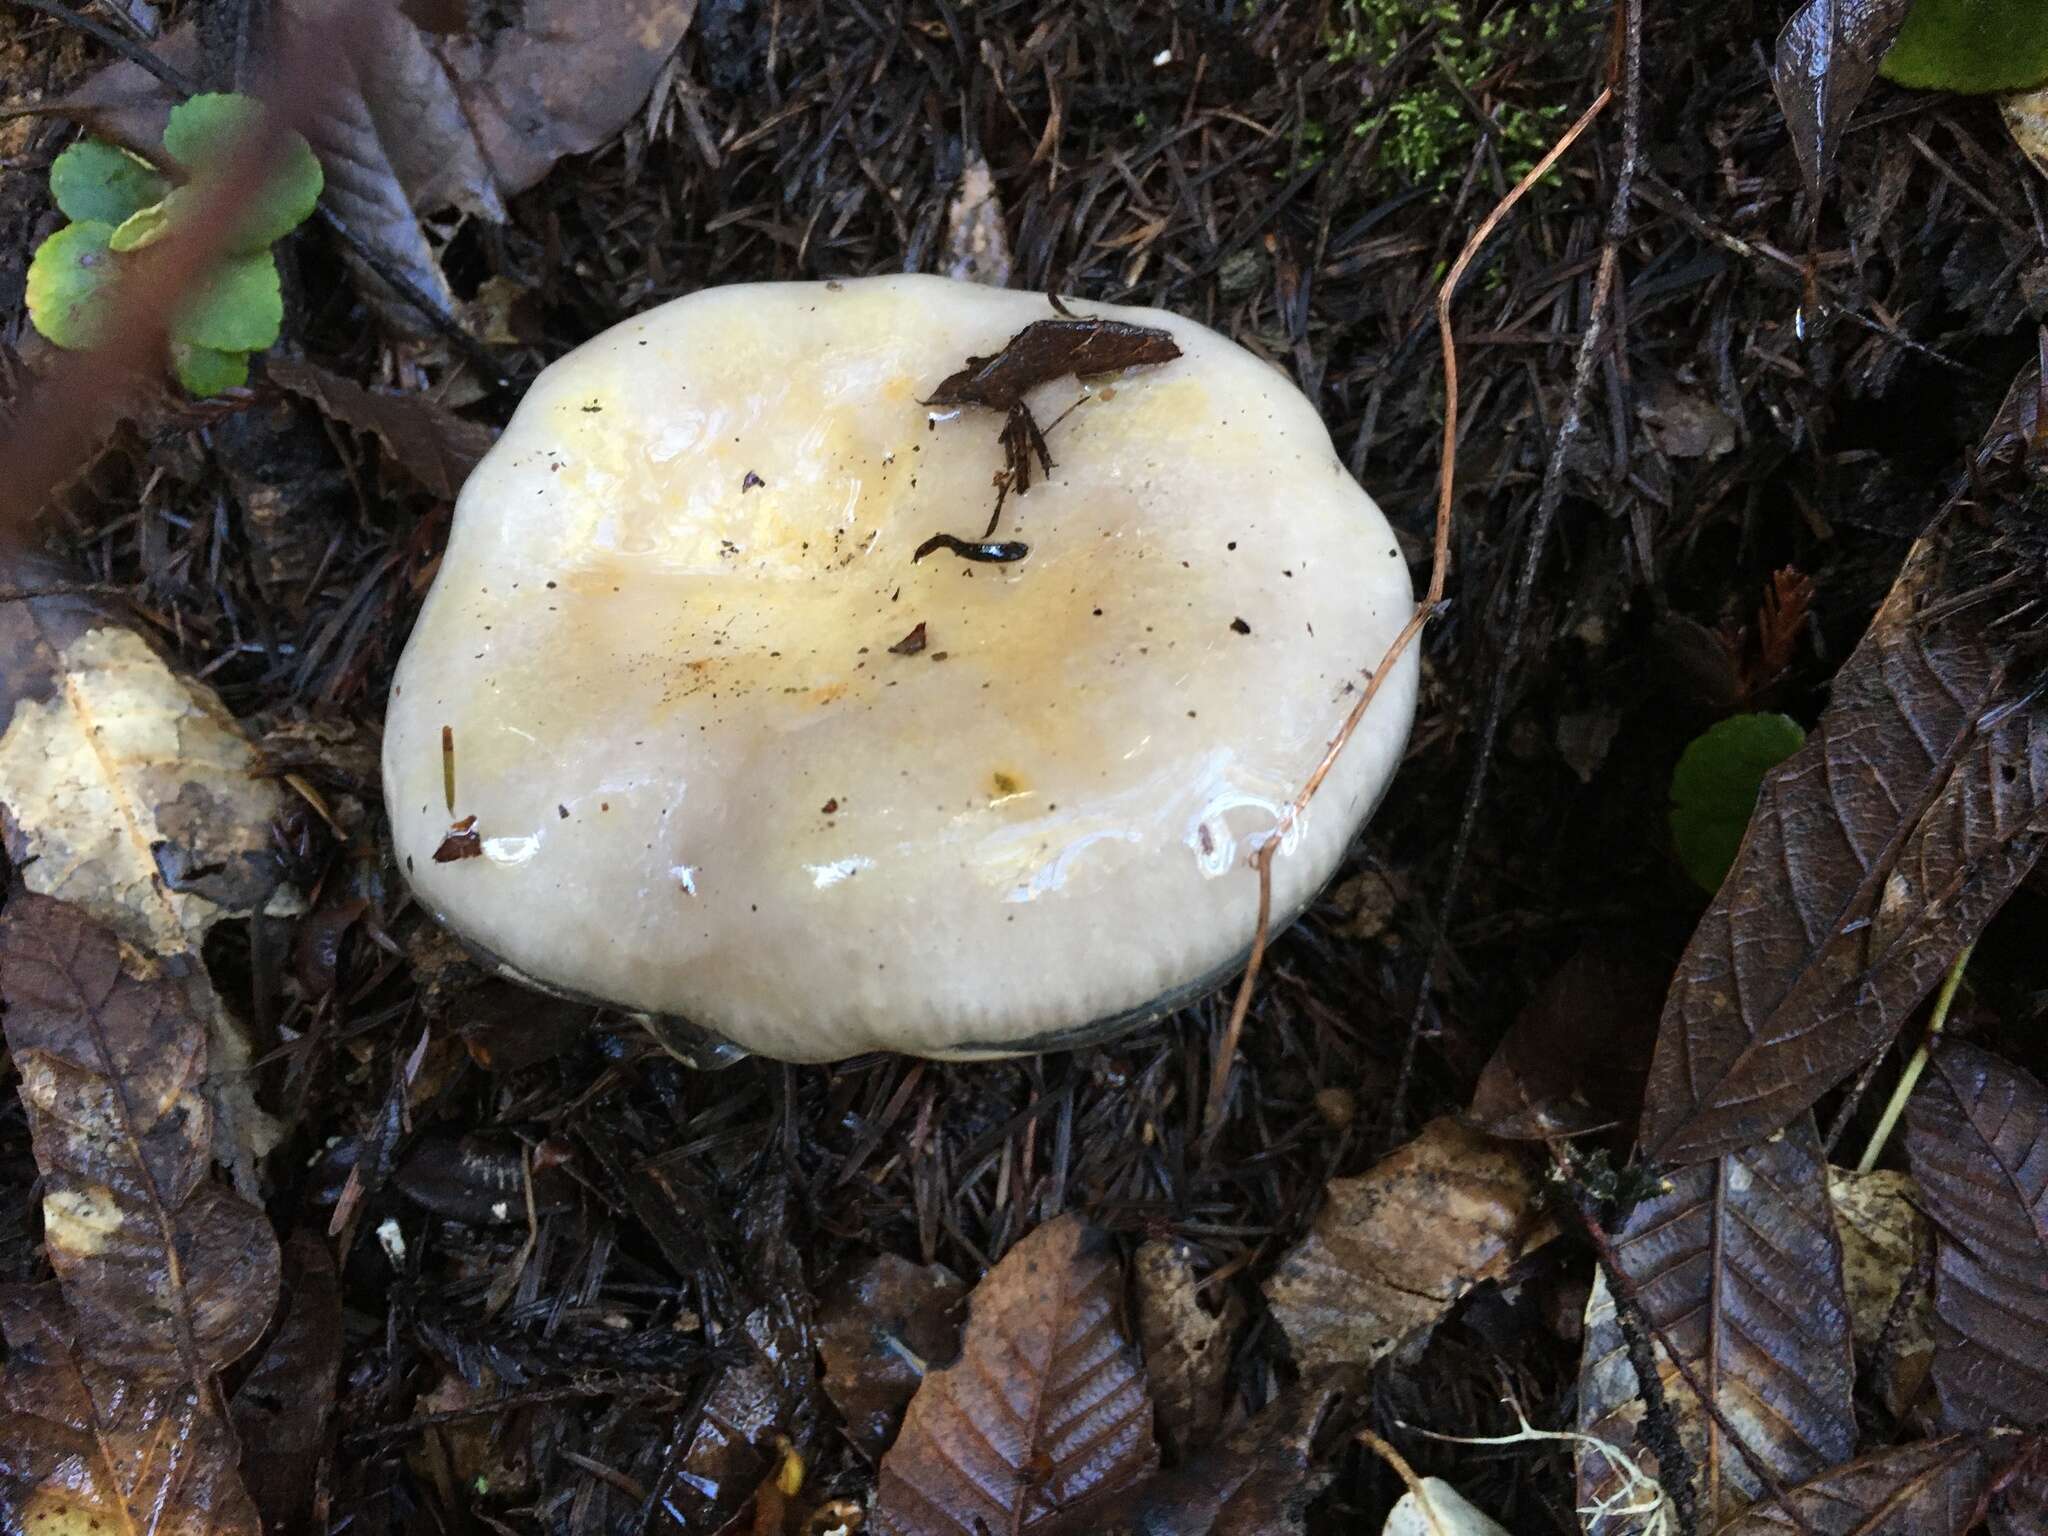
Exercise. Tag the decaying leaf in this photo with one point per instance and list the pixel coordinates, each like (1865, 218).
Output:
(1827, 59)
(1884, 1238)
(1977, 1139)
(2026, 118)
(1575, 1059)
(1396, 1246)
(1258, 1481)
(1926, 1488)
(282, 1408)
(131, 791)
(1739, 1266)
(128, 789)
(1877, 851)
(1187, 1347)
(1435, 1508)
(977, 245)
(878, 1333)
(1044, 1417)
(166, 1271)
(85, 1447)
(434, 445)
(766, 1401)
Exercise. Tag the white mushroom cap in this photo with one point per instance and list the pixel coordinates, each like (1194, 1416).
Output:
(703, 785)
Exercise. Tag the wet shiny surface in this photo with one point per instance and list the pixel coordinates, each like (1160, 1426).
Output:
(706, 786)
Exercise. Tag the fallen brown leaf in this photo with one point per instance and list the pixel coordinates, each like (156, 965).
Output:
(431, 443)
(1876, 852)
(167, 1271)
(131, 790)
(870, 1326)
(1575, 1059)
(85, 1447)
(283, 1408)
(1044, 1417)
(1926, 1488)
(1738, 1264)
(1827, 59)
(1977, 1140)
(1884, 1238)
(1187, 1347)
(1396, 1246)
(1257, 1481)
(128, 788)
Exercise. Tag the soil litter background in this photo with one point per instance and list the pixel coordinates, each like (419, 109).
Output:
(1297, 174)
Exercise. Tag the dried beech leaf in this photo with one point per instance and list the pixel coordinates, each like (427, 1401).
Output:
(1258, 1481)
(87, 1448)
(567, 78)
(1884, 1237)
(1877, 851)
(1926, 1488)
(133, 792)
(867, 1326)
(1739, 1266)
(166, 1271)
(1977, 1139)
(1187, 1347)
(1827, 60)
(1045, 1415)
(128, 789)
(435, 446)
(1395, 1247)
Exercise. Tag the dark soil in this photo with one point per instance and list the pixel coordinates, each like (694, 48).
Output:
(1213, 158)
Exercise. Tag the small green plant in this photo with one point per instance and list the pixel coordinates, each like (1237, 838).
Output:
(120, 203)
(1715, 785)
(1430, 127)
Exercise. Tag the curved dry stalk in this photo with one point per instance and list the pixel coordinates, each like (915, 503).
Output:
(1262, 856)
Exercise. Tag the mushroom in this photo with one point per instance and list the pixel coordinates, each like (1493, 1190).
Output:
(684, 728)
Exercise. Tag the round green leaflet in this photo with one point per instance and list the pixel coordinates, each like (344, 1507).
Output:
(70, 284)
(1715, 785)
(204, 131)
(97, 183)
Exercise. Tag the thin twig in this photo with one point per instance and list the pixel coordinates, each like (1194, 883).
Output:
(1262, 856)
(1548, 500)
(1910, 1078)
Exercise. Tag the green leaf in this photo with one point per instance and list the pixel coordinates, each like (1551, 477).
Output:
(1971, 45)
(237, 309)
(95, 182)
(208, 371)
(204, 131)
(70, 282)
(1714, 788)
(146, 226)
